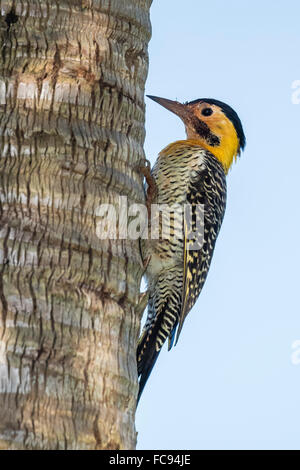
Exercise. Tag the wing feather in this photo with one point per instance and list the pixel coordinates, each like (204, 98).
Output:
(206, 197)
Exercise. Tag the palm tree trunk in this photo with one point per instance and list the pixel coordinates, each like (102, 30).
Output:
(72, 130)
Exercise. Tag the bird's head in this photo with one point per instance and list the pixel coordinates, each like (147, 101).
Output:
(214, 124)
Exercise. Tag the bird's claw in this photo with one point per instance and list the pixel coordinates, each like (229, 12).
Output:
(145, 169)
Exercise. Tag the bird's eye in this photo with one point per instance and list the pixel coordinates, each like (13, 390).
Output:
(207, 112)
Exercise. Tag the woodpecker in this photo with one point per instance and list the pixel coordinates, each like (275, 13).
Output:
(187, 172)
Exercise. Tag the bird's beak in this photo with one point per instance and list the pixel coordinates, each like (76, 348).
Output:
(175, 107)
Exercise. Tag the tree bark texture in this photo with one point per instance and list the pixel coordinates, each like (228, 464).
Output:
(72, 130)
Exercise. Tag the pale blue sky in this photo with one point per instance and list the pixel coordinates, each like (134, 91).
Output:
(230, 382)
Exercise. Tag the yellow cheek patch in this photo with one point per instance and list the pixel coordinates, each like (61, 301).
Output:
(228, 149)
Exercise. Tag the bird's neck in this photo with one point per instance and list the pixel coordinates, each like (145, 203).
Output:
(226, 152)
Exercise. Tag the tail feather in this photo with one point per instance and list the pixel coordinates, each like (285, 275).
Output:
(147, 367)
(147, 353)
(149, 347)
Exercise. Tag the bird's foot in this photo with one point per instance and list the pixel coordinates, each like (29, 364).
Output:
(152, 186)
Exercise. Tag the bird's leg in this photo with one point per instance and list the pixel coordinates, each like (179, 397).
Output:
(150, 196)
(152, 186)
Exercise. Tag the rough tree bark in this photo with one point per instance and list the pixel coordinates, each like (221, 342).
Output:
(72, 131)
